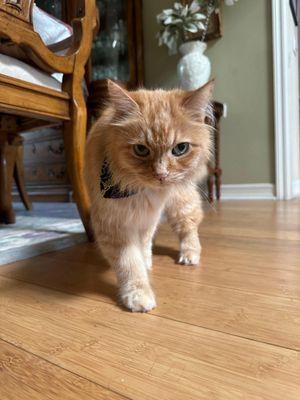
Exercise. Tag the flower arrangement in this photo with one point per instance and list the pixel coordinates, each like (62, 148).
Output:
(183, 19)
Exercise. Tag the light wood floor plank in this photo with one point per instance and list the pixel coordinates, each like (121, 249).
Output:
(27, 377)
(218, 268)
(232, 302)
(260, 219)
(143, 356)
(255, 264)
(227, 330)
(238, 312)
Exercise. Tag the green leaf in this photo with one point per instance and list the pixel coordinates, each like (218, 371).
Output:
(168, 11)
(200, 25)
(191, 28)
(169, 20)
(177, 21)
(177, 6)
(185, 11)
(194, 7)
(198, 17)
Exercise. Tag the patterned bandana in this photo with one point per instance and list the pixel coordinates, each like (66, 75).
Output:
(107, 188)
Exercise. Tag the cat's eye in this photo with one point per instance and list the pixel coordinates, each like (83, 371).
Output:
(180, 149)
(141, 150)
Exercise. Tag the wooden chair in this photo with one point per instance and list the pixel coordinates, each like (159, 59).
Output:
(214, 168)
(25, 105)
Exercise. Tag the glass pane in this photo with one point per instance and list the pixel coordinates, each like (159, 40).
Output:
(110, 49)
(52, 7)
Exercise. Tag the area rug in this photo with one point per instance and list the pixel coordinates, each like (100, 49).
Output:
(50, 227)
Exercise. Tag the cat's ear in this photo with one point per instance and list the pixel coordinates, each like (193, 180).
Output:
(197, 101)
(121, 100)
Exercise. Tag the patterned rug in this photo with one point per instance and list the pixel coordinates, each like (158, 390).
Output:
(49, 227)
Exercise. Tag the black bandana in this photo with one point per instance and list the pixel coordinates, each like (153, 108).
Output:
(108, 189)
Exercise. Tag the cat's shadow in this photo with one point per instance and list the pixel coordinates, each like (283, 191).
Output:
(64, 278)
(165, 251)
(92, 278)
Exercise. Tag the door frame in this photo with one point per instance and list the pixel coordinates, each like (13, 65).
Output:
(285, 151)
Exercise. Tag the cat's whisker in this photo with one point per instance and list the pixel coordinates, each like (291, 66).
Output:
(206, 197)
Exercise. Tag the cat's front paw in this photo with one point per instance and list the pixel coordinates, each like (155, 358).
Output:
(189, 257)
(138, 298)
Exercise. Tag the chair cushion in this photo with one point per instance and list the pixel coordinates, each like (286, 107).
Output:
(18, 69)
(48, 27)
(51, 31)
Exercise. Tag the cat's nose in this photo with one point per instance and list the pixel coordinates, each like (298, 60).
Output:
(161, 176)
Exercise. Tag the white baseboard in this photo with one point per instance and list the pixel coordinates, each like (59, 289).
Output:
(296, 188)
(256, 191)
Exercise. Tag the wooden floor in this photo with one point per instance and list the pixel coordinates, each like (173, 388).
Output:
(227, 330)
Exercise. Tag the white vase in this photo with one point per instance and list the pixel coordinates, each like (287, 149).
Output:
(194, 67)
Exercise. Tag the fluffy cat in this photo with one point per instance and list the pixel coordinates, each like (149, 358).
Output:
(144, 156)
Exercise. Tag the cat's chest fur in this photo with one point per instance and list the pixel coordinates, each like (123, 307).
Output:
(136, 212)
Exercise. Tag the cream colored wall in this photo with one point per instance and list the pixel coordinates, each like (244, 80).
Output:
(242, 66)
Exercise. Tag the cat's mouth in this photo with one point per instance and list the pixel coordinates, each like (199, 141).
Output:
(155, 182)
(162, 182)
(158, 184)
(165, 182)
(170, 179)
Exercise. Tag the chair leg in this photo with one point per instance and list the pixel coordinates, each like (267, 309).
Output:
(74, 140)
(7, 161)
(218, 180)
(20, 180)
(210, 187)
(19, 175)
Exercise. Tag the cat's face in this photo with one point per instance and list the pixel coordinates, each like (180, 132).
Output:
(159, 138)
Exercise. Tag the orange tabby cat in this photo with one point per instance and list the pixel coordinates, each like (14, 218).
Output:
(145, 155)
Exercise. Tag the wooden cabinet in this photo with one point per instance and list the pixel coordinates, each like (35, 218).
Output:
(117, 50)
(45, 167)
(117, 54)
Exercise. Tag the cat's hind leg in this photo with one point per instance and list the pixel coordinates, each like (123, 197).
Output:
(184, 213)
